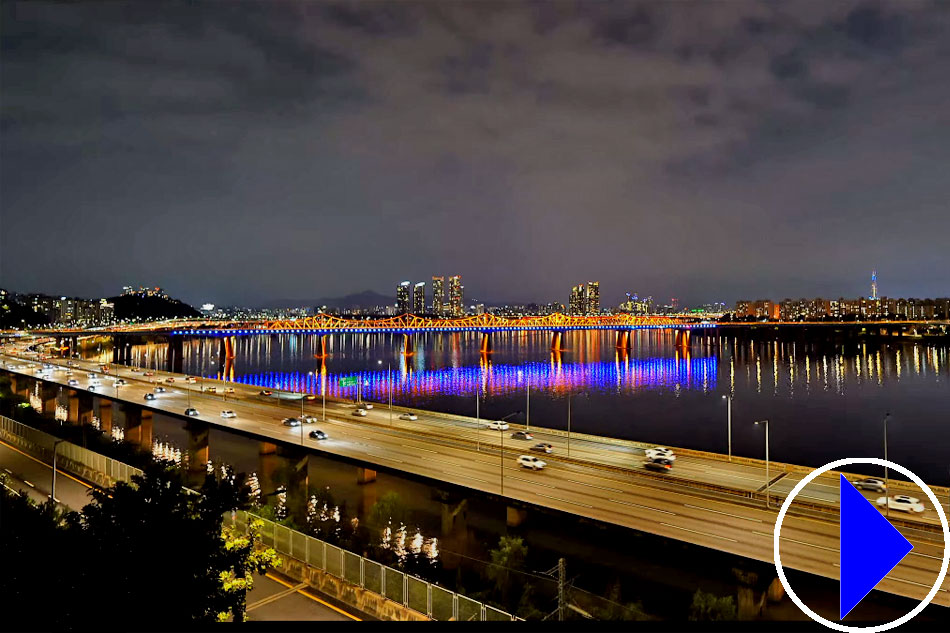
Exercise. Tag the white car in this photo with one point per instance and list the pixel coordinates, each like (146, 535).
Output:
(364, 405)
(500, 425)
(306, 418)
(530, 461)
(360, 412)
(875, 485)
(227, 413)
(412, 417)
(659, 452)
(72, 382)
(904, 503)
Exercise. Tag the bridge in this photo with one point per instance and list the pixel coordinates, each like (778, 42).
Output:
(708, 499)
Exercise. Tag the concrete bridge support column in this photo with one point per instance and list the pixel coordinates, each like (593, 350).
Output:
(557, 341)
(682, 338)
(485, 347)
(408, 344)
(747, 606)
(72, 404)
(365, 475)
(49, 394)
(623, 340)
(287, 467)
(320, 348)
(138, 427)
(516, 516)
(84, 411)
(102, 409)
(198, 451)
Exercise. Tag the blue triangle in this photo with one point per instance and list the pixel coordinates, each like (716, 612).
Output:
(870, 547)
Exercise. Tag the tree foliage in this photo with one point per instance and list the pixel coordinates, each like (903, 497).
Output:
(707, 606)
(149, 553)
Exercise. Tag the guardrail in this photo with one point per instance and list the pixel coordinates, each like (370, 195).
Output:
(410, 591)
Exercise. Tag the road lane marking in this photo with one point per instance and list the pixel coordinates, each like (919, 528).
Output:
(735, 516)
(314, 598)
(581, 483)
(530, 481)
(456, 474)
(28, 484)
(676, 527)
(637, 505)
(416, 448)
(583, 505)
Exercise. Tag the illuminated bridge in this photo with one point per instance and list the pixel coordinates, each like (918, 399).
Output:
(410, 323)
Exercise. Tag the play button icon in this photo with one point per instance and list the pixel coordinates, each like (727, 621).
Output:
(870, 547)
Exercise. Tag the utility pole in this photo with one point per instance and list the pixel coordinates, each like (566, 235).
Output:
(561, 580)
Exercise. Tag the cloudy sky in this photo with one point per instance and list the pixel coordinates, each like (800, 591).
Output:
(236, 152)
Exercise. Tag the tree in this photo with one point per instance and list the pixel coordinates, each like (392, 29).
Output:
(248, 557)
(151, 542)
(613, 607)
(389, 509)
(509, 556)
(707, 606)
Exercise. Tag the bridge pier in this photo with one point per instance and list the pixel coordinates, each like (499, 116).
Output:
(84, 406)
(102, 409)
(485, 347)
(516, 516)
(321, 346)
(198, 451)
(49, 395)
(138, 427)
(682, 338)
(408, 344)
(557, 341)
(623, 339)
(288, 467)
(365, 475)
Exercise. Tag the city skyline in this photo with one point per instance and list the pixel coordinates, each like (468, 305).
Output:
(684, 150)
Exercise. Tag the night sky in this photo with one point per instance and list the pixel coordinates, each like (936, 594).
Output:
(235, 152)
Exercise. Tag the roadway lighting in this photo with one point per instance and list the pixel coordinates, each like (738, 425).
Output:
(728, 399)
(52, 494)
(887, 487)
(768, 479)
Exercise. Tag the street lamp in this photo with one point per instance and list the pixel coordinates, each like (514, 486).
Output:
(768, 478)
(887, 487)
(52, 494)
(501, 454)
(728, 399)
(478, 421)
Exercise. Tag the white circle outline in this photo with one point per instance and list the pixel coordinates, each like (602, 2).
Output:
(846, 462)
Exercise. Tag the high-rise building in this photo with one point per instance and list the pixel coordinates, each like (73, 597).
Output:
(592, 296)
(456, 290)
(402, 298)
(577, 304)
(438, 295)
(873, 284)
(419, 298)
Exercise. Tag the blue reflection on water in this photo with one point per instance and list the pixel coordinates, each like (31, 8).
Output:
(627, 375)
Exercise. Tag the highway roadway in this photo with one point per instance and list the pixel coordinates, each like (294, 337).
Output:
(603, 481)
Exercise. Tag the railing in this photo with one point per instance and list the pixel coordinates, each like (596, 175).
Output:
(415, 593)
(92, 466)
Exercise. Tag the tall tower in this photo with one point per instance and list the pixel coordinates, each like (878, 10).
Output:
(438, 295)
(593, 298)
(402, 298)
(419, 298)
(874, 284)
(455, 295)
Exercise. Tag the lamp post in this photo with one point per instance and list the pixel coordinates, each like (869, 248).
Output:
(887, 487)
(728, 399)
(52, 494)
(478, 421)
(768, 478)
(568, 423)
(502, 453)
(527, 402)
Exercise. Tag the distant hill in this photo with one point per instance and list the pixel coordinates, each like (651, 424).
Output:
(17, 315)
(365, 299)
(150, 308)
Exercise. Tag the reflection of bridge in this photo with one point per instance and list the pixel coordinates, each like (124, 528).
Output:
(410, 323)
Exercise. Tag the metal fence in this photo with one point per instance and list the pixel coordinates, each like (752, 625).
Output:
(103, 470)
(417, 594)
